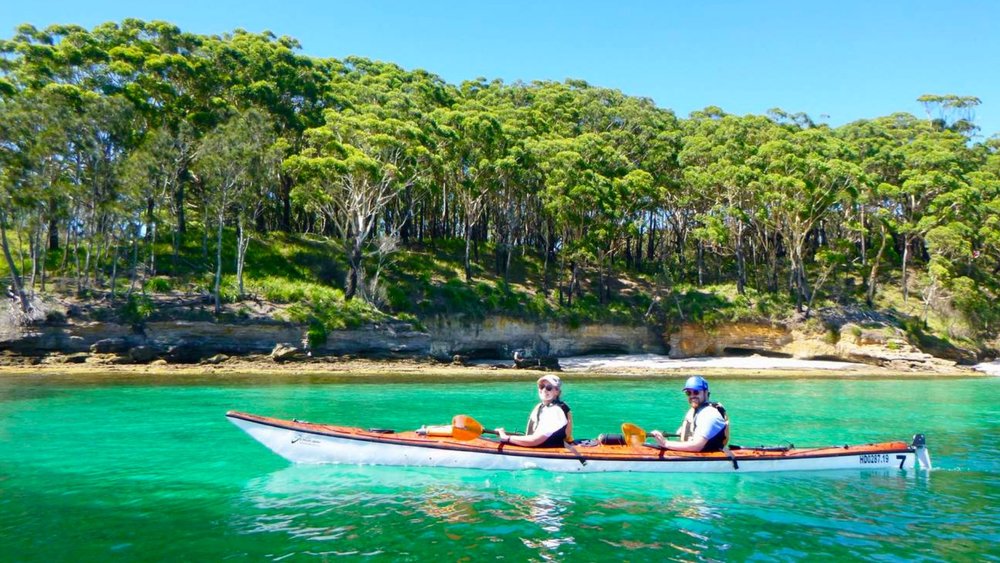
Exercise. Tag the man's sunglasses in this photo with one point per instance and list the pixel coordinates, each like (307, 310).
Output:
(691, 392)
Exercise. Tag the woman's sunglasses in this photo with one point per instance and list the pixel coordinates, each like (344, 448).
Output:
(546, 387)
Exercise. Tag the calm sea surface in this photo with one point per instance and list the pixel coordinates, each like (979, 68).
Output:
(150, 470)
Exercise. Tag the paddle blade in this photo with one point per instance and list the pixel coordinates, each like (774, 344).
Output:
(634, 436)
(465, 428)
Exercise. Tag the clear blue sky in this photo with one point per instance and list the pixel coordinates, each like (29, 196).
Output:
(838, 60)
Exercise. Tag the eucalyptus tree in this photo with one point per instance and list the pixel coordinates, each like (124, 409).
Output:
(515, 197)
(648, 138)
(33, 60)
(688, 197)
(662, 137)
(62, 162)
(586, 175)
(238, 163)
(261, 157)
(163, 72)
(592, 145)
(989, 228)
(14, 165)
(160, 165)
(34, 57)
(36, 139)
(881, 218)
(715, 159)
(628, 197)
(363, 86)
(985, 223)
(564, 183)
(471, 143)
(351, 170)
(152, 65)
(510, 170)
(514, 204)
(804, 176)
(952, 112)
(960, 231)
(951, 251)
(61, 175)
(875, 146)
(592, 194)
(263, 71)
(100, 148)
(934, 163)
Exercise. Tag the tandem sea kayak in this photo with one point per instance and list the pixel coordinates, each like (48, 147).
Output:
(306, 442)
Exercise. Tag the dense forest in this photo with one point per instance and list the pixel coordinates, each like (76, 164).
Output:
(136, 136)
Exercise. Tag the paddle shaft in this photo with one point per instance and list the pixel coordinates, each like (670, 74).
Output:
(494, 432)
(464, 427)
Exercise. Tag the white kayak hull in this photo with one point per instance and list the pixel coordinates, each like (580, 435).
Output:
(307, 443)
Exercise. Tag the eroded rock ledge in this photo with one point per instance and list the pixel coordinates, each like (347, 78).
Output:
(180, 341)
(880, 344)
(195, 341)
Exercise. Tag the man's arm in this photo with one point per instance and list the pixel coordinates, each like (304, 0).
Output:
(695, 444)
(530, 441)
(550, 422)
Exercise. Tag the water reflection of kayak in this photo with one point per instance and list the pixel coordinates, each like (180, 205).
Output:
(306, 442)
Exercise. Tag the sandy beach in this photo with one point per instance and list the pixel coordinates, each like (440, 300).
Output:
(989, 368)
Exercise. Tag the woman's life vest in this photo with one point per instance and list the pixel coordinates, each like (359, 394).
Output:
(715, 443)
(564, 434)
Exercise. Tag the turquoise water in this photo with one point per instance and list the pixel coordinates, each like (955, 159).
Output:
(150, 470)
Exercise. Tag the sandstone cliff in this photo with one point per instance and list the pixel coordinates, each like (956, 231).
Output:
(876, 344)
(80, 338)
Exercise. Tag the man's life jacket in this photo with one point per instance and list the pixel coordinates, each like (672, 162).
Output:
(715, 443)
(564, 434)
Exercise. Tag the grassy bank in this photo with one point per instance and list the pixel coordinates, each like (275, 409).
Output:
(299, 278)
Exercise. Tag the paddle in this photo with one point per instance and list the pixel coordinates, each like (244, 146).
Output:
(465, 428)
(636, 436)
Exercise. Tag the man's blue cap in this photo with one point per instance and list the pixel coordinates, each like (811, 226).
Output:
(696, 383)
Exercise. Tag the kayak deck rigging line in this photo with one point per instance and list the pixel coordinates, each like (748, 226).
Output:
(305, 442)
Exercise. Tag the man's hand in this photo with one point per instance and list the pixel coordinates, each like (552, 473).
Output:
(658, 436)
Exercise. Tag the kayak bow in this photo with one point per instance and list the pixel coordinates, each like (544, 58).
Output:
(305, 442)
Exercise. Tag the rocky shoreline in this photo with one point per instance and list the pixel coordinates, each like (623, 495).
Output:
(346, 368)
(67, 340)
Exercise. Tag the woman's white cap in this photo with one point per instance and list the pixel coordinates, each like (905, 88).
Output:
(553, 379)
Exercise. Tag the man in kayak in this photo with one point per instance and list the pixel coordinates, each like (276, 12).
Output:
(705, 427)
(550, 424)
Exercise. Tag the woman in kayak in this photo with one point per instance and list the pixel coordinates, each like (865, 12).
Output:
(550, 424)
(705, 427)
